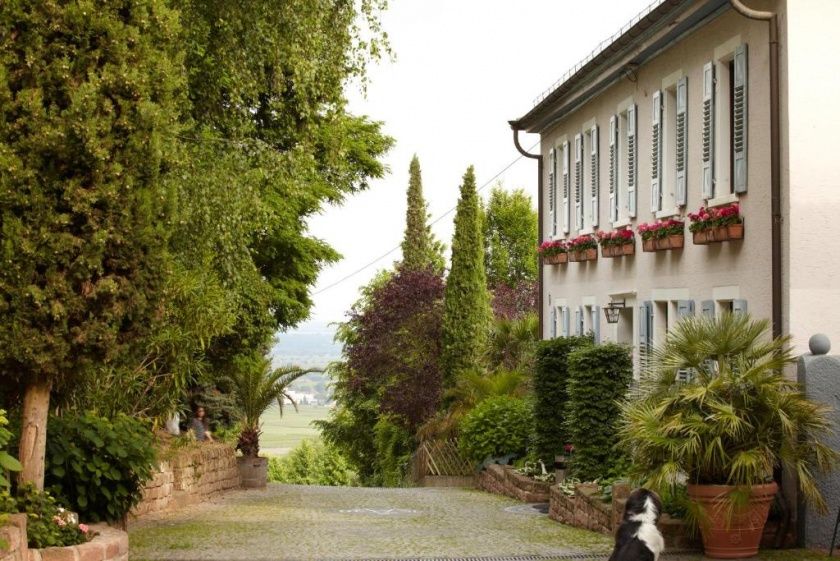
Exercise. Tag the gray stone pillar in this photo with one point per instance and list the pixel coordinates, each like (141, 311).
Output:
(819, 375)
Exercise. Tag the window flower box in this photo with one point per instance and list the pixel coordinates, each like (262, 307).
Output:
(662, 235)
(553, 252)
(617, 243)
(583, 248)
(717, 224)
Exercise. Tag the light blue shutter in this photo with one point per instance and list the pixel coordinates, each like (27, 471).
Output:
(708, 163)
(579, 321)
(596, 324)
(614, 199)
(685, 308)
(594, 175)
(656, 154)
(680, 195)
(566, 189)
(565, 316)
(632, 159)
(739, 120)
(579, 181)
(552, 189)
(553, 322)
(739, 306)
(708, 307)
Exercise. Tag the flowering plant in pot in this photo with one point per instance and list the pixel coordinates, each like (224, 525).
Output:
(584, 247)
(726, 429)
(717, 224)
(553, 251)
(662, 234)
(617, 242)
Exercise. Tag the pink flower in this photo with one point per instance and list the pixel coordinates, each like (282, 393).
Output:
(59, 520)
(84, 528)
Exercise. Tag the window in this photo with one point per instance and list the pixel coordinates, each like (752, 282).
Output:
(622, 164)
(566, 188)
(578, 172)
(591, 322)
(552, 191)
(593, 176)
(614, 176)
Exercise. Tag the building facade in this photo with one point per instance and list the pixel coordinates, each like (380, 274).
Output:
(674, 113)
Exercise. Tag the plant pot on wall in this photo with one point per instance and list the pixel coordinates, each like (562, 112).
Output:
(676, 241)
(735, 231)
(628, 249)
(700, 238)
(737, 536)
(649, 245)
(590, 254)
(253, 472)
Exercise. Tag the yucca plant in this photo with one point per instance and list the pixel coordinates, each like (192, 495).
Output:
(257, 386)
(715, 407)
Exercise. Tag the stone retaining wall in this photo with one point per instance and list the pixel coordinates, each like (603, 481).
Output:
(110, 544)
(189, 476)
(13, 533)
(503, 480)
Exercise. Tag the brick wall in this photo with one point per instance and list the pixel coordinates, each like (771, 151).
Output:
(109, 544)
(190, 475)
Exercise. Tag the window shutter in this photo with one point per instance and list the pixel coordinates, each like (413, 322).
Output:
(564, 316)
(645, 335)
(553, 322)
(594, 174)
(656, 155)
(680, 195)
(579, 181)
(578, 321)
(708, 130)
(685, 308)
(614, 168)
(631, 161)
(739, 120)
(596, 324)
(552, 189)
(566, 188)
(739, 306)
(708, 308)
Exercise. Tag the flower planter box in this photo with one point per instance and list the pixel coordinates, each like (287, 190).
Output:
(555, 259)
(648, 245)
(590, 254)
(618, 250)
(719, 234)
(664, 244)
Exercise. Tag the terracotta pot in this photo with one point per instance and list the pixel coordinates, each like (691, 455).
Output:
(607, 251)
(573, 256)
(700, 238)
(737, 537)
(551, 259)
(649, 245)
(676, 241)
(253, 472)
(735, 231)
(662, 243)
(591, 254)
(628, 249)
(562, 257)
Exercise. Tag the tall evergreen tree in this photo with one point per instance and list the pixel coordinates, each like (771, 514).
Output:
(420, 249)
(466, 312)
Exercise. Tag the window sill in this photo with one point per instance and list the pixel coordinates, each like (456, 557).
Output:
(726, 199)
(585, 231)
(667, 213)
(622, 222)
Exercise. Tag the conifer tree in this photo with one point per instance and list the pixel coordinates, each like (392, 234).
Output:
(420, 249)
(466, 318)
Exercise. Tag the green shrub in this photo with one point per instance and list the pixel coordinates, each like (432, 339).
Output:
(7, 461)
(599, 377)
(47, 524)
(394, 446)
(312, 463)
(97, 466)
(498, 426)
(550, 395)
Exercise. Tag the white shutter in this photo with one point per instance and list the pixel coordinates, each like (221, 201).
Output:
(739, 120)
(594, 175)
(553, 322)
(708, 308)
(680, 195)
(708, 162)
(552, 190)
(596, 324)
(739, 306)
(614, 168)
(579, 181)
(564, 316)
(631, 161)
(566, 188)
(656, 155)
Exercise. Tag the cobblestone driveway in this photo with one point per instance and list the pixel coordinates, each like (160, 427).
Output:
(287, 523)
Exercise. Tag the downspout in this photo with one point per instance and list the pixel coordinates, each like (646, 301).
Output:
(775, 161)
(539, 159)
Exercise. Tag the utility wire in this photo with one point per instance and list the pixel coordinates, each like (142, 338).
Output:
(435, 221)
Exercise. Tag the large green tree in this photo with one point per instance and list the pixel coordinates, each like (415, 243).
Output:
(89, 99)
(466, 319)
(420, 249)
(510, 237)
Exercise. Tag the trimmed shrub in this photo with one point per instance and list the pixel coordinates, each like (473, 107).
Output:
(496, 427)
(550, 395)
(97, 466)
(312, 463)
(599, 377)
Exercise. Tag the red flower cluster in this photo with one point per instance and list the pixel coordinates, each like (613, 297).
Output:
(707, 218)
(581, 243)
(616, 237)
(661, 229)
(552, 247)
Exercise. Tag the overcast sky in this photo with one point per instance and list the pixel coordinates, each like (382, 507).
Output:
(462, 69)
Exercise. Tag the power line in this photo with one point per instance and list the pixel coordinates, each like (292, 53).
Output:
(435, 221)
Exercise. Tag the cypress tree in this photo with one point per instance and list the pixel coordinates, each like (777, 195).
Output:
(466, 312)
(420, 249)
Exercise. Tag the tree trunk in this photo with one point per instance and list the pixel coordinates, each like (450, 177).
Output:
(33, 433)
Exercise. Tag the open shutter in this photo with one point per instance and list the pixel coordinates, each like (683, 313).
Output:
(614, 168)
(579, 181)
(564, 318)
(739, 120)
(552, 189)
(685, 308)
(578, 314)
(631, 161)
(596, 324)
(656, 155)
(708, 307)
(708, 162)
(566, 184)
(680, 195)
(739, 306)
(553, 322)
(594, 175)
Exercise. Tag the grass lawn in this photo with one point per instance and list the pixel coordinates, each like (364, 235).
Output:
(286, 432)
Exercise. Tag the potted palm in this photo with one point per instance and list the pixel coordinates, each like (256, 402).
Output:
(727, 428)
(257, 386)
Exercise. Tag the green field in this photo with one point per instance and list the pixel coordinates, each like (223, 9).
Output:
(280, 434)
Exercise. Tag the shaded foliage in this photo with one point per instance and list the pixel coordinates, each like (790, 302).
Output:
(512, 302)
(496, 427)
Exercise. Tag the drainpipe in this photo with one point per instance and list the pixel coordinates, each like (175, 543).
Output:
(539, 159)
(775, 160)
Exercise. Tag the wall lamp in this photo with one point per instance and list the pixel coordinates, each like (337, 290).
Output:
(613, 309)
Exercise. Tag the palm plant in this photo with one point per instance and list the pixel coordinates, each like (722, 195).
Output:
(735, 419)
(257, 386)
(513, 343)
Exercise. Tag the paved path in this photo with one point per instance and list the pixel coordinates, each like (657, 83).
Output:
(288, 522)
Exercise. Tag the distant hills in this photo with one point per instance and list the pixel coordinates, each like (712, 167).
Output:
(310, 346)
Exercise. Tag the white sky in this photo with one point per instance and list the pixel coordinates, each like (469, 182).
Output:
(463, 68)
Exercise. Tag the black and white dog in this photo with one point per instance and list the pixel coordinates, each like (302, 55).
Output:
(638, 538)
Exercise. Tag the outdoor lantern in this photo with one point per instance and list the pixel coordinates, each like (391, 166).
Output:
(612, 310)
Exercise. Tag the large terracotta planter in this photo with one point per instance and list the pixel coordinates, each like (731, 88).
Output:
(676, 241)
(555, 259)
(649, 245)
(628, 249)
(701, 237)
(253, 472)
(737, 537)
(607, 251)
(735, 231)
(590, 254)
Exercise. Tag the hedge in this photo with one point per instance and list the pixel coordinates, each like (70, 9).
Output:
(599, 377)
(497, 427)
(550, 395)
